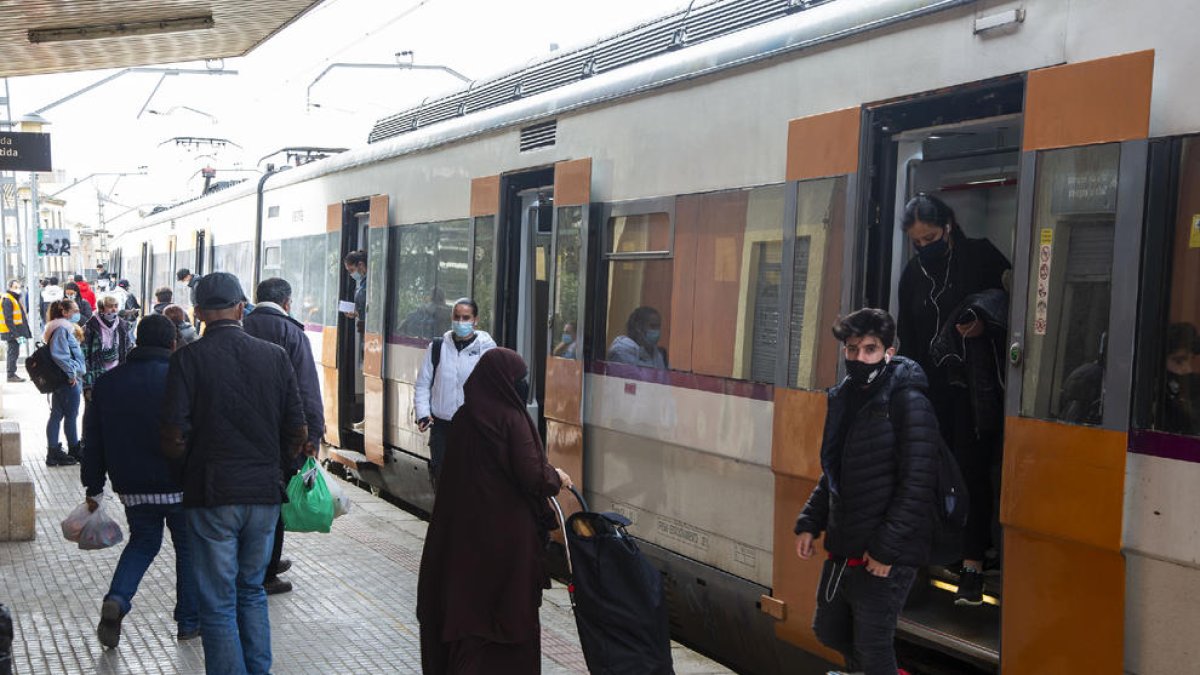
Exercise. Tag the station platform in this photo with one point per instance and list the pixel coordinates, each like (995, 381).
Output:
(352, 609)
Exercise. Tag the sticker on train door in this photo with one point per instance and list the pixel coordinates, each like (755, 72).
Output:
(1042, 305)
(1194, 238)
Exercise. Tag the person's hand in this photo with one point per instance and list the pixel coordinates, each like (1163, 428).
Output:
(423, 423)
(87, 395)
(875, 567)
(352, 315)
(564, 478)
(805, 546)
(72, 382)
(92, 504)
(21, 340)
(970, 330)
(311, 449)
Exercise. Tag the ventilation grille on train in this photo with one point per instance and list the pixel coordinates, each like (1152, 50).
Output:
(539, 135)
(674, 31)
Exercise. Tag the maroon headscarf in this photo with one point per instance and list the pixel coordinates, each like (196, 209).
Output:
(491, 390)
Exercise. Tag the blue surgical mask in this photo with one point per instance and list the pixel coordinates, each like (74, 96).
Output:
(567, 338)
(463, 329)
(76, 317)
(652, 336)
(357, 276)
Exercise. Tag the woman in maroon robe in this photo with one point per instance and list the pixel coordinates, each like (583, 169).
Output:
(482, 572)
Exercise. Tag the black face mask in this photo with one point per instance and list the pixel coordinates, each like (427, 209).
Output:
(934, 250)
(862, 374)
(522, 386)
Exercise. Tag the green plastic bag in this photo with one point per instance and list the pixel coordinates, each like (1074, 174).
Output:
(310, 506)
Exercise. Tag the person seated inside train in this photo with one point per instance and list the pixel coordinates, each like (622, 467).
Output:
(953, 322)
(874, 501)
(566, 344)
(1082, 397)
(639, 345)
(1181, 386)
(429, 320)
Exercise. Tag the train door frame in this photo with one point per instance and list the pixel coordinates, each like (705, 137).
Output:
(379, 243)
(340, 342)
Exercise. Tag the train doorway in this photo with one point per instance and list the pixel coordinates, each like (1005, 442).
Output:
(961, 149)
(523, 300)
(348, 375)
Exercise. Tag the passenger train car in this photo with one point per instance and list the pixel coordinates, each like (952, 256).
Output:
(739, 167)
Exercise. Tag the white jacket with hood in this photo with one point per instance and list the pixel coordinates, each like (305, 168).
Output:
(444, 397)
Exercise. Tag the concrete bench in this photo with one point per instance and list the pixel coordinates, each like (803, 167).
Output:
(16, 504)
(10, 443)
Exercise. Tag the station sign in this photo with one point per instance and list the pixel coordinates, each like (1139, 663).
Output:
(54, 243)
(24, 151)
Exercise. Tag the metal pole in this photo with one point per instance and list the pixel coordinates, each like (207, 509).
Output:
(31, 247)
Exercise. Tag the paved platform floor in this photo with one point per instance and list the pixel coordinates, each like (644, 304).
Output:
(352, 610)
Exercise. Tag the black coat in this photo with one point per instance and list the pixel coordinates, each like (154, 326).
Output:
(232, 418)
(876, 492)
(272, 325)
(121, 427)
(977, 364)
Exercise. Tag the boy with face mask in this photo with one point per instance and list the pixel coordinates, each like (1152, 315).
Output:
(875, 499)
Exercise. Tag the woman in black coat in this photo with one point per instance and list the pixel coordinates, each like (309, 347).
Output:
(953, 321)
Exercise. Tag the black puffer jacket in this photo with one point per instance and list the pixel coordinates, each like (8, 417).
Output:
(232, 418)
(876, 492)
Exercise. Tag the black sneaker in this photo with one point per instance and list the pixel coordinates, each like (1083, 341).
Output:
(275, 586)
(189, 634)
(56, 457)
(970, 589)
(109, 630)
(284, 565)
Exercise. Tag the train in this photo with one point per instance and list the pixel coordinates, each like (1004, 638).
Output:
(740, 167)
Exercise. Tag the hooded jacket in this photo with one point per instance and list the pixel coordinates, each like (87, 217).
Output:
(877, 487)
(977, 364)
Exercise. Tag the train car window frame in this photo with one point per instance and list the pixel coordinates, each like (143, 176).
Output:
(638, 207)
(1161, 238)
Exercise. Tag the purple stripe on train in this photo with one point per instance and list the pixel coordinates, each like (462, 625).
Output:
(673, 378)
(1168, 446)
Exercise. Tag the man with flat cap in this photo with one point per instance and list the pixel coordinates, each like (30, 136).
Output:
(233, 422)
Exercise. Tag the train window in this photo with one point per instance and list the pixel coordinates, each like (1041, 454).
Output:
(819, 210)
(376, 280)
(634, 234)
(639, 312)
(1176, 404)
(483, 281)
(1070, 285)
(431, 273)
(565, 303)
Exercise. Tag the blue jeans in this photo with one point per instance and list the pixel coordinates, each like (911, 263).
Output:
(230, 549)
(145, 538)
(64, 410)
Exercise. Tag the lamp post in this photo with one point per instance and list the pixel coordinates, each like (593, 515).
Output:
(32, 123)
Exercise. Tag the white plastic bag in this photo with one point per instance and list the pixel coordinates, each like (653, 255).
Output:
(72, 525)
(100, 530)
(341, 500)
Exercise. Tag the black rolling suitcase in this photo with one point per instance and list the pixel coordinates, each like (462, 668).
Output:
(617, 596)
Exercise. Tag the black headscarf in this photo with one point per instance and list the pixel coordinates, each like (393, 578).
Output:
(492, 389)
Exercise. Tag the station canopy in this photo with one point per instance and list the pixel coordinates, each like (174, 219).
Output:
(54, 36)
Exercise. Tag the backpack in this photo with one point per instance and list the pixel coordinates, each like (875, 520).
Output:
(951, 505)
(43, 371)
(435, 355)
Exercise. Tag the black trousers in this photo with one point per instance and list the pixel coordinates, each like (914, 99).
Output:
(13, 348)
(857, 613)
(276, 551)
(437, 446)
(979, 460)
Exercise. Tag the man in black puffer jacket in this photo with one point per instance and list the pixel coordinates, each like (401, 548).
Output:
(875, 498)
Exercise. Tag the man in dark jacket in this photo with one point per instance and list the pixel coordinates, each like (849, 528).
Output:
(233, 424)
(271, 321)
(121, 428)
(14, 326)
(875, 498)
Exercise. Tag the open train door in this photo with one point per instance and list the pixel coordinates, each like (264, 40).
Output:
(566, 321)
(1074, 295)
(374, 334)
(329, 334)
